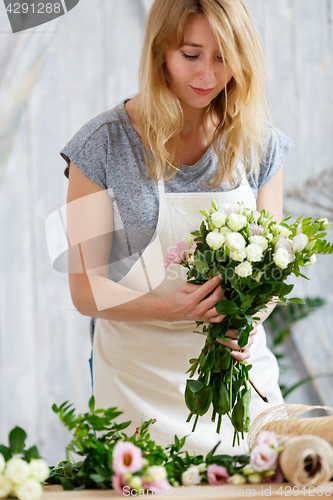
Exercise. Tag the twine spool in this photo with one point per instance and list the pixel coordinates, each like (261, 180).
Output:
(306, 460)
(318, 426)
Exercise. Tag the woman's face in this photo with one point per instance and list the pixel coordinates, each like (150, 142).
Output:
(195, 71)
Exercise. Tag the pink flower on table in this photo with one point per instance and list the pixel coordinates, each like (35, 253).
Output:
(217, 474)
(267, 437)
(277, 478)
(126, 458)
(263, 457)
(157, 487)
(256, 230)
(118, 483)
(176, 254)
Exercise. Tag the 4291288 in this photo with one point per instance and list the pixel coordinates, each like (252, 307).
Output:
(31, 8)
(310, 491)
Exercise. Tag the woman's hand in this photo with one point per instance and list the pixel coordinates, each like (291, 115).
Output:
(193, 302)
(238, 352)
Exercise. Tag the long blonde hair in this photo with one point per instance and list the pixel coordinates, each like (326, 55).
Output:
(240, 110)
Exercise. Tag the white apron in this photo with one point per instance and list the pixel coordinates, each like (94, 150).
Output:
(140, 367)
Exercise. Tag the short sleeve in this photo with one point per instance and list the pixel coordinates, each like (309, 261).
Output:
(275, 149)
(88, 150)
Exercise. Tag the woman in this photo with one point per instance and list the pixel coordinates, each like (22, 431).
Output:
(139, 174)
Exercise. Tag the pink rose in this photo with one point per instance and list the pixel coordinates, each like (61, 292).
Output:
(217, 474)
(118, 483)
(267, 437)
(177, 254)
(256, 230)
(263, 457)
(157, 487)
(126, 458)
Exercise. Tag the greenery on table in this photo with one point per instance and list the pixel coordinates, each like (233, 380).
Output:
(94, 470)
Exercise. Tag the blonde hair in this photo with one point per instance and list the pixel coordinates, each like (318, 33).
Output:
(240, 110)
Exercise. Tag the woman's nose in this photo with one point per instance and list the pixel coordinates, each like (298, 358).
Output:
(206, 70)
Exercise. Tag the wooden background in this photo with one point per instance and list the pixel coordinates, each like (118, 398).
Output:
(56, 77)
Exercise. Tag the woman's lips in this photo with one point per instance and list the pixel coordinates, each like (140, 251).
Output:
(202, 91)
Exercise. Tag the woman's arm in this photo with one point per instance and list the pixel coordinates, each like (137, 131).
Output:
(89, 227)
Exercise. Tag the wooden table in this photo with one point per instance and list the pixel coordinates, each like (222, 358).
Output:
(255, 491)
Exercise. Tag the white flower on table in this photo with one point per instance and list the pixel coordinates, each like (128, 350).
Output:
(156, 473)
(254, 252)
(6, 487)
(29, 490)
(236, 222)
(191, 476)
(17, 470)
(2, 463)
(218, 218)
(39, 469)
(244, 269)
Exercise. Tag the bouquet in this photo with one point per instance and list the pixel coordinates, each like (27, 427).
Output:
(254, 256)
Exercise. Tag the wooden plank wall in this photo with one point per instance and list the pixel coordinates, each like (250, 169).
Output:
(89, 64)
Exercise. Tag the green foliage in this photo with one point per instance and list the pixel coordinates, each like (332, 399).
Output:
(16, 446)
(94, 471)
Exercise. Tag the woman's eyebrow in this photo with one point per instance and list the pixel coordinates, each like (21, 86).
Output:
(190, 44)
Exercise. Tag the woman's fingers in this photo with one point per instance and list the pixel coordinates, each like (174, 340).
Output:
(236, 351)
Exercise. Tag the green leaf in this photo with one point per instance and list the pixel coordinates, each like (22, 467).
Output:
(16, 440)
(226, 307)
(6, 452)
(31, 453)
(92, 404)
(241, 413)
(207, 360)
(198, 402)
(295, 300)
(195, 385)
(222, 358)
(221, 401)
(202, 267)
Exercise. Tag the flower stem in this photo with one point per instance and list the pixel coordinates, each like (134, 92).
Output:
(219, 422)
(230, 387)
(189, 417)
(259, 393)
(213, 415)
(195, 422)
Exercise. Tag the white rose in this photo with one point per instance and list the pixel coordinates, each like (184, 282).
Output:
(2, 463)
(17, 470)
(238, 255)
(236, 221)
(299, 242)
(225, 230)
(218, 218)
(215, 240)
(30, 490)
(284, 231)
(39, 469)
(244, 269)
(156, 473)
(191, 476)
(5, 487)
(259, 240)
(282, 258)
(235, 241)
(254, 252)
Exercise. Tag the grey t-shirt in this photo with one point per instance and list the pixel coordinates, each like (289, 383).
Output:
(108, 151)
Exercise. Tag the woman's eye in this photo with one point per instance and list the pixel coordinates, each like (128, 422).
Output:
(188, 56)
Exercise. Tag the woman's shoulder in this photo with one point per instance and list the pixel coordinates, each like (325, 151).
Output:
(99, 127)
